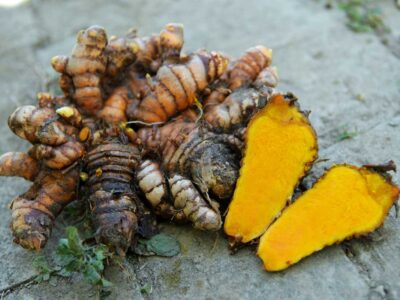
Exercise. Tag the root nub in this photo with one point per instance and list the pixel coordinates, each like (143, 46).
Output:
(114, 217)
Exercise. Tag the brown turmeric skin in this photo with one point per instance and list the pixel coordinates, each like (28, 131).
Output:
(120, 54)
(241, 92)
(55, 148)
(171, 41)
(144, 54)
(83, 71)
(175, 86)
(34, 125)
(114, 110)
(110, 167)
(19, 164)
(58, 157)
(197, 163)
(216, 97)
(236, 109)
(34, 212)
(54, 140)
(246, 69)
(159, 49)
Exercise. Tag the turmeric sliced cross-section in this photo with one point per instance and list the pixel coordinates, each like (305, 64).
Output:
(347, 201)
(280, 147)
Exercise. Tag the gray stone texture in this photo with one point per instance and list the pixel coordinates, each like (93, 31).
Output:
(350, 82)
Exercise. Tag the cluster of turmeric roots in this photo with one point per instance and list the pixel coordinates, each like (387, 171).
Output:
(143, 129)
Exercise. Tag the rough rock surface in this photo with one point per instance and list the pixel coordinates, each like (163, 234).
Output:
(350, 82)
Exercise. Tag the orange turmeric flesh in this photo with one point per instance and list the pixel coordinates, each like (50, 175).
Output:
(347, 201)
(280, 147)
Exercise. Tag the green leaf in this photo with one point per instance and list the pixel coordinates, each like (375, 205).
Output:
(62, 259)
(91, 275)
(160, 244)
(97, 264)
(43, 269)
(72, 255)
(41, 278)
(141, 248)
(40, 265)
(362, 15)
(146, 288)
(64, 273)
(74, 242)
(105, 283)
(46, 276)
(345, 135)
(101, 252)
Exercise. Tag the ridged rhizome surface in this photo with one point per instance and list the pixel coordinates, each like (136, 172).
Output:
(138, 114)
(113, 202)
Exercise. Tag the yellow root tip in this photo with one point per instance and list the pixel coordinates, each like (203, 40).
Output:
(83, 176)
(65, 111)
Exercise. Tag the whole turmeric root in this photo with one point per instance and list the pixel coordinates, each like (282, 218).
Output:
(110, 167)
(83, 72)
(175, 86)
(144, 54)
(196, 163)
(50, 163)
(34, 212)
(246, 69)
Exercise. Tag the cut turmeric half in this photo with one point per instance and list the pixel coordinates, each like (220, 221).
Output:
(347, 201)
(280, 148)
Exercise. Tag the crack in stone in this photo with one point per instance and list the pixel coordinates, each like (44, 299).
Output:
(16, 286)
(141, 278)
(376, 290)
(389, 41)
